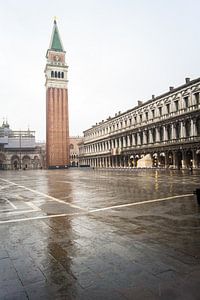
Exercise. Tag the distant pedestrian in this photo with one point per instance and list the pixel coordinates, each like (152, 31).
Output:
(191, 166)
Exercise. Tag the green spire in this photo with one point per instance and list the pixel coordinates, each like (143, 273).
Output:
(56, 43)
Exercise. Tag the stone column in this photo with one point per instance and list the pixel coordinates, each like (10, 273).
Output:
(164, 134)
(174, 160)
(182, 129)
(116, 143)
(157, 135)
(183, 159)
(144, 138)
(173, 131)
(133, 139)
(139, 139)
(191, 128)
(150, 136)
(128, 141)
(120, 143)
(124, 142)
(194, 160)
(104, 163)
(195, 127)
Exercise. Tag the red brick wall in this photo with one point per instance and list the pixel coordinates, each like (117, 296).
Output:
(57, 127)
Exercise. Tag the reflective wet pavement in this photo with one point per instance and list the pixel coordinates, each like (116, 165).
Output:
(91, 234)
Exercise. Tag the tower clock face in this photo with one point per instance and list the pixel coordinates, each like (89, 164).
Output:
(56, 58)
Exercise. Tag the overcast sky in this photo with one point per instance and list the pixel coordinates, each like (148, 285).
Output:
(118, 52)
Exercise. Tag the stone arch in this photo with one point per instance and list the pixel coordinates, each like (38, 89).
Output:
(136, 139)
(162, 160)
(179, 158)
(136, 158)
(198, 158)
(188, 158)
(169, 132)
(161, 132)
(177, 130)
(15, 162)
(36, 162)
(169, 159)
(26, 162)
(73, 164)
(153, 135)
(187, 128)
(198, 126)
(155, 159)
(141, 137)
(147, 136)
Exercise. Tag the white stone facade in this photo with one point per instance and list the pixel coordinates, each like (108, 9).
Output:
(74, 142)
(18, 150)
(166, 127)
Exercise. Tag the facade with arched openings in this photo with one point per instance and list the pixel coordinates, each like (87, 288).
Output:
(163, 131)
(18, 150)
(74, 142)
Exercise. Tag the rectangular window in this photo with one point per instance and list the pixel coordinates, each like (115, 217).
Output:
(135, 118)
(130, 122)
(153, 113)
(160, 111)
(140, 118)
(186, 101)
(147, 116)
(196, 96)
(168, 108)
(176, 105)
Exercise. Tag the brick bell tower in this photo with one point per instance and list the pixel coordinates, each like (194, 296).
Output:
(57, 121)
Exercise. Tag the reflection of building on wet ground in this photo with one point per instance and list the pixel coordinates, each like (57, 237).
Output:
(18, 149)
(165, 129)
(74, 150)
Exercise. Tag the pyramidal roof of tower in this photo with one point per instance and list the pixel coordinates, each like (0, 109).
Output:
(56, 43)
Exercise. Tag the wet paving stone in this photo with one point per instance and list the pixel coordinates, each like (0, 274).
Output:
(84, 234)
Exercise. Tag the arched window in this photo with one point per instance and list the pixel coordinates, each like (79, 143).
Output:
(154, 135)
(169, 132)
(198, 126)
(136, 139)
(58, 74)
(62, 74)
(55, 74)
(141, 138)
(147, 136)
(52, 73)
(161, 133)
(187, 128)
(71, 146)
(177, 130)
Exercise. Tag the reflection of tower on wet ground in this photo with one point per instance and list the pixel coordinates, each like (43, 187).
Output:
(60, 237)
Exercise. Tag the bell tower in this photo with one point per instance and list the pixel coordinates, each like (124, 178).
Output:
(57, 121)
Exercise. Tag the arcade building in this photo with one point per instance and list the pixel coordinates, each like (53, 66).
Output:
(18, 149)
(161, 132)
